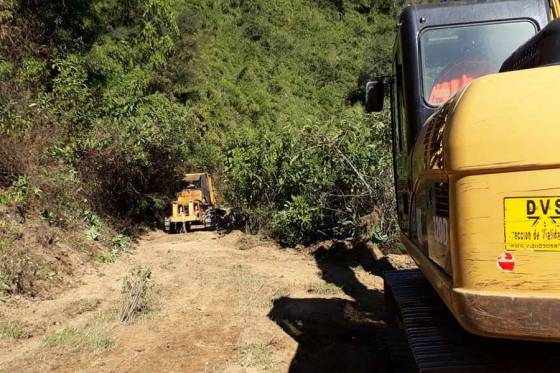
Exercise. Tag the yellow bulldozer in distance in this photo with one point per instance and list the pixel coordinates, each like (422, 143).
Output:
(194, 205)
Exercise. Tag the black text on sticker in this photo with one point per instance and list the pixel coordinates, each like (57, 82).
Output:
(543, 205)
(537, 208)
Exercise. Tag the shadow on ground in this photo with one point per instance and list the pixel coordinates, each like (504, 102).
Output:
(338, 335)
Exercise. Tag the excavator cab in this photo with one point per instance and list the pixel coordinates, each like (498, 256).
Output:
(474, 106)
(438, 50)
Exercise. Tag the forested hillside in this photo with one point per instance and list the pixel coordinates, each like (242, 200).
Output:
(105, 103)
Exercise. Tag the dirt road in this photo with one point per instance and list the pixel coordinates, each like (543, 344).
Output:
(225, 304)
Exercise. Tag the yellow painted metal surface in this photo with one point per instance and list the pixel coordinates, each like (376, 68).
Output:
(191, 204)
(555, 8)
(495, 144)
(478, 237)
(505, 121)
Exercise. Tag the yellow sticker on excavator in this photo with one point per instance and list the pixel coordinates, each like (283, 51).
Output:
(532, 223)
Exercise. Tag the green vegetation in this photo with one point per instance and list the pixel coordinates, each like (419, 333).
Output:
(77, 339)
(104, 103)
(10, 329)
(283, 81)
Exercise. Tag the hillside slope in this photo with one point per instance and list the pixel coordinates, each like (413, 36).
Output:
(104, 104)
(279, 86)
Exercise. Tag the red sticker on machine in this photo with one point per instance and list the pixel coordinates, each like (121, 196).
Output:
(506, 262)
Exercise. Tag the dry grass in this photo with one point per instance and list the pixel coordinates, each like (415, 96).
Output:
(77, 339)
(249, 241)
(250, 285)
(14, 330)
(105, 316)
(275, 293)
(19, 269)
(81, 306)
(91, 334)
(323, 288)
(257, 356)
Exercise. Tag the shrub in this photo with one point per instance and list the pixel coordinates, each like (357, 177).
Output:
(296, 222)
(331, 174)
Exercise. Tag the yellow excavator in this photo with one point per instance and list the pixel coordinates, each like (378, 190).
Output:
(475, 107)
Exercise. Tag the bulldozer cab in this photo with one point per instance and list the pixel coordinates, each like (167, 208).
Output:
(439, 49)
(200, 181)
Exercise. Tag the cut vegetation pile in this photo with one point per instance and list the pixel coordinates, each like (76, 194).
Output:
(136, 290)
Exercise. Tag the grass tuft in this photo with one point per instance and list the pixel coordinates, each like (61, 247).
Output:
(72, 337)
(106, 316)
(81, 306)
(323, 288)
(10, 329)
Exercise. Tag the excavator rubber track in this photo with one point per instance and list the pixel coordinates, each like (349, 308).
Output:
(437, 343)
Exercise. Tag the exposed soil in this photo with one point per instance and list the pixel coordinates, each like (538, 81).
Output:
(221, 303)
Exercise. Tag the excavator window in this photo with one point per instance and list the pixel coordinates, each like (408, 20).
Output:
(454, 56)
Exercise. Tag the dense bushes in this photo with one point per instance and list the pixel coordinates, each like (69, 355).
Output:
(300, 159)
(103, 103)
(315, 181)
(86, 133)
(96, 92)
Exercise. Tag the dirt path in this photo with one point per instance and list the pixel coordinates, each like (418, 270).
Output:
(225, 304)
